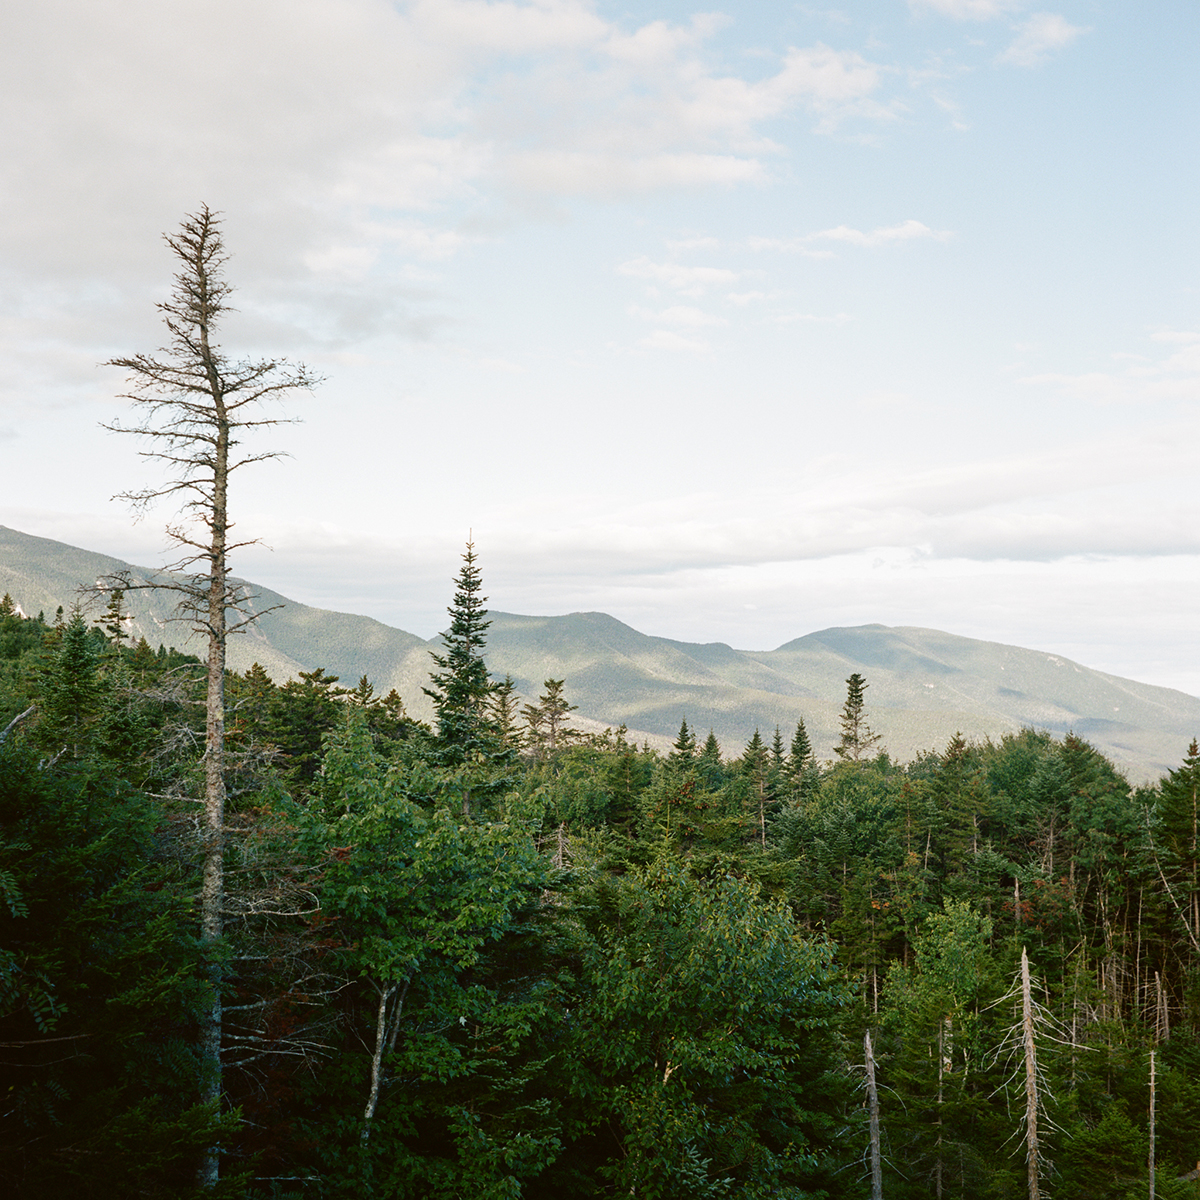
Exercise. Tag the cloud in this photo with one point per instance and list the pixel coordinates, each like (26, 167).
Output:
(679, 314)
(343, 137)
(666, 339)
(1143, 381)
(969, 10)
(905, 231)
(810, 318)
(689, 281)
(1038, 38)
(578, 173)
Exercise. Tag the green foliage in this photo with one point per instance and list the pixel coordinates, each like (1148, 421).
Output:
(98, 991)
(461, 689)
(701, 1048)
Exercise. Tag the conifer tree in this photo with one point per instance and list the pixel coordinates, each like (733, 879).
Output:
(546, 721)
(857, 737)
(709, 763)
(460, 689)
(683, 750)
(504, 711)
(800, 762)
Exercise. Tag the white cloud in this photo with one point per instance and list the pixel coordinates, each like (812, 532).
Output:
(666, 339)
(679, 314)
(689, 281)
(1038, 38)
(795, 318)
(1143, 381)
(970, 10)
(574, 173)
(742, 299)
(905, 231)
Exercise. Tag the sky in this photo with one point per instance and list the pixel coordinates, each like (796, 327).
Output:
(736, 323)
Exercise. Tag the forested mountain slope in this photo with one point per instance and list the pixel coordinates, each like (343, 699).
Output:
(924, 684)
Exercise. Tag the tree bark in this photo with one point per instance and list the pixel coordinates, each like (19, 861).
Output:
(1032, 1145)
(873, 1110)
(1150, 1158)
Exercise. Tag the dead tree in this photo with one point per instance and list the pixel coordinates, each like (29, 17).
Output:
(873, 1114)
(194, 406)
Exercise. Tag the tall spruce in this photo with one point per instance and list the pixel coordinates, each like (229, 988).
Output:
(461, 690)
(857, 740)
(195, 406)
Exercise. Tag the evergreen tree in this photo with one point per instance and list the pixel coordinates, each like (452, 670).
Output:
(504, 710)
(546, 721)
(800, 765)
(683, 750)
(756, 763)
(72, 691)
(711, 769)
(114, 620)
(461, 690)
(857, 738)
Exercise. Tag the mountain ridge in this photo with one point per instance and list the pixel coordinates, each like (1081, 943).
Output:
(924, 684)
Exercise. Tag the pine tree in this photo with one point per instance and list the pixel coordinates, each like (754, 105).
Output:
(857, 738)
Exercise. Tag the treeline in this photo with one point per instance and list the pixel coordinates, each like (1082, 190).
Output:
(495, 957)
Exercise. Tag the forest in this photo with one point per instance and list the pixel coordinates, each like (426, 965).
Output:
(267, 938)
(494, 957)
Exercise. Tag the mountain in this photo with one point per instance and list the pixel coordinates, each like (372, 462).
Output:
(924, 685)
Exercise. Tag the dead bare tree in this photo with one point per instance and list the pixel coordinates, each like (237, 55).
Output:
(873, 1114)
(195, 404)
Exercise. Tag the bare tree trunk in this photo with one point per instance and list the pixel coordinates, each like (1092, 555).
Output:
(1032, 1146)
(1150, 1159)
(381, 1038)
(212, 887)
(873, 1110)
(386, 1027)
(195, 405)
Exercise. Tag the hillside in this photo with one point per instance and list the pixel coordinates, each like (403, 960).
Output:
(924, 684)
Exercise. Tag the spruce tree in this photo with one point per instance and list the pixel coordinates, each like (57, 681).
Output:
(547, 721)
(800, 763)
(857, 737)
(683, 750)
(460, 688)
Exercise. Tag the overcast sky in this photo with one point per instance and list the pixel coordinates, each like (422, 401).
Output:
(735, 323)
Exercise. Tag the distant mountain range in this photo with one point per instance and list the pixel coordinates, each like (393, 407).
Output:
(923, 685)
